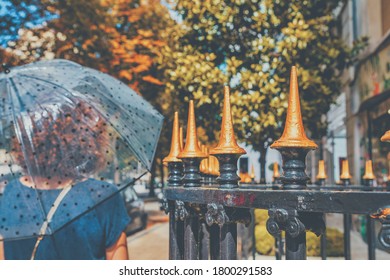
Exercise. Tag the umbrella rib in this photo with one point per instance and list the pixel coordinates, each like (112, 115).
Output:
(51, 83)
(16, 126)
(38, 104)
(16, 123)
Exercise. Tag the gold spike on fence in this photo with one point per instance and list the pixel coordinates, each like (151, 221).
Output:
(368, 174)
(227, 140)
(276, 173)
(191, 148)
(175, 143)
(294, 133)
(321, 170)
(386, 137)
(345, 170)
(181, 138)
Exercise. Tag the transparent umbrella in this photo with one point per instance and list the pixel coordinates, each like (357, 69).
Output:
(69, 135)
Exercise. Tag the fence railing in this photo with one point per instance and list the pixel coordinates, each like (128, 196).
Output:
(205, 205)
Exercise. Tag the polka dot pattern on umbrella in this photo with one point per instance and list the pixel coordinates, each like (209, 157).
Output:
(60, 125)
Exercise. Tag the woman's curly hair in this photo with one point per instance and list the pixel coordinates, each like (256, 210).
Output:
(61, 142)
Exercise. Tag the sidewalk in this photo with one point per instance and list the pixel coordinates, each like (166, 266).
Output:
(152, 243)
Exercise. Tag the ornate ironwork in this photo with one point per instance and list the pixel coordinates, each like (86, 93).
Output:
(383, 215)
(281, 219)
(181, 212)
(216, 214)
(296, 211)
(175, 174)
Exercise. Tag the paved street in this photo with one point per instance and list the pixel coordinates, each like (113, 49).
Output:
(152, 243)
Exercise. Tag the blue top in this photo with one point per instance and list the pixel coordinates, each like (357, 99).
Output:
(90, 219)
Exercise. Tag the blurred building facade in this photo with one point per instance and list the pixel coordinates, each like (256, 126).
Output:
(361, 114)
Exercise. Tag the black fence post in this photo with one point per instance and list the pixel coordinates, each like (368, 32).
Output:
(191, 237)
(191, 155)
(345, 178)
(323, 242)
(294, 146)
(175, 179)
(321, 177)
(347, 236)
(204, 250)
(278, 246)
(369, 178)
(215, 242)
(227, 153)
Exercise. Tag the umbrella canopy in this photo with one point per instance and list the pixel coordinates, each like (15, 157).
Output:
(64, 126)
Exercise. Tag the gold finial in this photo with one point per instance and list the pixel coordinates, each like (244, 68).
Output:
(181, 138)
(369, 174)
(252, 175)
(276, 170)
(245, 178)
(175, 144)
(203, 164)
(191, 148)
(216, 171)
(382, 215)
(386, 137)
(227, 141)
(206, 161)
(213, 166)
(321, 170)
(294, 134)
(210, 165)
(345, 170)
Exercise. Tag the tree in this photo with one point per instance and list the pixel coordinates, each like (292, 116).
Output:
(121, 37)
(253, 44)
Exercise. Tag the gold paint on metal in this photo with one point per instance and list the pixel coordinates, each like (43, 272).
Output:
(386, 137)
(210, 165)
(227, 141)
(175, 144)
(276, 170)
(252, 174)
(382, 215)
(345, 170)
(321, 170)
(191, 148)
(369, 174)
(203, 164)
(181, 138)
(206, 161)
(245, 178)
(213, 166)
(294, 133)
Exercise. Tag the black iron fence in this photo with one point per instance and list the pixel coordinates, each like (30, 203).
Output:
(205, 205)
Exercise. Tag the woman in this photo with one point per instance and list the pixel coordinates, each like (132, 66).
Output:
(53, 210)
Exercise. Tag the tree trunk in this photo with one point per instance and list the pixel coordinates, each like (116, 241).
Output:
(262, 160)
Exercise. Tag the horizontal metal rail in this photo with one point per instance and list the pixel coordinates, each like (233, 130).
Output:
(323, 201)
